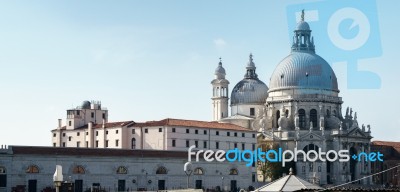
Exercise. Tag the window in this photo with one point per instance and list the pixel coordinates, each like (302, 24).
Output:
(235, 145)
(32, 169)
(254, 135)
(233, 171)
(78, 144)
(2, 170)
(205, 144)
(146, 130)
(205, 132)
(243, 134)
(63, 144)
(69, 138)
(187, 130)
(252, 113)
(133, 143)
(54, 144)
(173, 143)
(196, 143)
(97, 143)
(97, 133)
(69, 123)
(78, 170)
(133, 131)
(253, 177)
(122, 170)
(198, 171)
(243, 145)
(278, 115)
(196, 131)
(87, 133)
(228, 133)
(173, 130)
(253, 147)
(302, 118)
(106, 143)
(235, 134)
(116, 142)
(313, 117)
(63, 134)
(106, 132)
(87, 144)
(92, 115)
(54, 134)
(78, 133)
(103, 116)
(159, 129)
(287, 113)
(78, 113)
(116, 131)
(217, 145)
(187, 143)
(216, 132)
(161, 170)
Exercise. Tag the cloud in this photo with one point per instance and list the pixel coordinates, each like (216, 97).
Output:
(220, 43)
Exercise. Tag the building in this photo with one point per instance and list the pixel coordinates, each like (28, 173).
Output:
(391, 153)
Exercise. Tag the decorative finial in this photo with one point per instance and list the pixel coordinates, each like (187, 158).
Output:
(251, 57)
(291, 171)
(302, 15)
(220, 61)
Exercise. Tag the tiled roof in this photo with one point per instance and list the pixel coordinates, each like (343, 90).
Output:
(387, 143)
(72, 151)
(190, 123)
(108, 125)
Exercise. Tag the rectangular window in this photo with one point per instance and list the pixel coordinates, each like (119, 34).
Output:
(173, 130)
(54, 144)
(217, 145)
(159, 129)
(173, 142)
(146, 130)
(253, 147)
(97, 133)
(228, 133)
(235, 134)
(92, 114)
(97, 143)
(243, 145)
(78, 144)
(196, 143)
(253, 178)
(205, 132)
(205, 144)
(78, 133)
(77, 112)
(196, 131)
(235, 145)
(69, 138)
(87, 144)
(252, 112)
(69, 123)
(187, 130)
(63, 144)
(104, 116)
(217, 133)
(116, 142)
(87, 133)
(106, 132)
(243, 134)
(116, 131)
(63, 134)
(187, 143)
(54, 134)
(254, 135)
(106, 143)
(133, 131)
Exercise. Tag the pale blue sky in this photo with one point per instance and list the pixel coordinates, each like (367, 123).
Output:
(148, 60)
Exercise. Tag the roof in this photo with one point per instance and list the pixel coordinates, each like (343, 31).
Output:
(395, 145)
(190, 123)
(288, 183)
(108, 125)
(71, 151)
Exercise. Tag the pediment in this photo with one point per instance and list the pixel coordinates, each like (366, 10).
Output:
(356, 132)
(311, 136)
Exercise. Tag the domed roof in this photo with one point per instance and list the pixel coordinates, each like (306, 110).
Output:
(86, 105)
(302, 25)
(303, 70)
(250, 90)
(220, 71)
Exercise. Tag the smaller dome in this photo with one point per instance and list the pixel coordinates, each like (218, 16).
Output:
(86, 105)
(220, 69)
(249, 91)
(302, 25)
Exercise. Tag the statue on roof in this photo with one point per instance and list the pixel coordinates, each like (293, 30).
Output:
(302, 15)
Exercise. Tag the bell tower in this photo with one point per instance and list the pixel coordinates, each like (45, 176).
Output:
(220, 93)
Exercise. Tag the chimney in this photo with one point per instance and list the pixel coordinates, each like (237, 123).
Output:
(59, 123)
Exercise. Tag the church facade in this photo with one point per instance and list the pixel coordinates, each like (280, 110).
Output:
(300, 109)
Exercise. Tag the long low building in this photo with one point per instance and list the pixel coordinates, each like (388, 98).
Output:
(115, 169)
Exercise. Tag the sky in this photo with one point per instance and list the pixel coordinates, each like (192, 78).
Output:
(155, 59)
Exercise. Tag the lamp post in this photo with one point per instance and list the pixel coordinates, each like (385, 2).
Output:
(58, 177)
(188, 170)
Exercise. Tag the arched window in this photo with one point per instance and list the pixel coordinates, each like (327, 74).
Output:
(32, 169)
(161, 170)
(233, 171)
(133, 143)
(2, 170)
(287, 113)
(313, 117)
(278, 115)
(122, 170)
(302, 118)
(328, 113)
(78, 170)
(334, 113)
(310, 147)
(198, 171)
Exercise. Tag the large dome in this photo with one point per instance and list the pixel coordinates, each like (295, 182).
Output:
(303, 70)
(249, 91)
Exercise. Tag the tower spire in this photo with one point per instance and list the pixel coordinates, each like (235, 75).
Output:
(251, 69)
(302, 39)
(302, 15)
